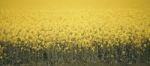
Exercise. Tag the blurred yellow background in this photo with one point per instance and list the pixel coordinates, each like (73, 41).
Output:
(74, 3)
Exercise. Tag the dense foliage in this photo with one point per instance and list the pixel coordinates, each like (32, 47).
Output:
(74, 36)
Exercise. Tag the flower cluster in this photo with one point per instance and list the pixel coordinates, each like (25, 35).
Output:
(74, 34)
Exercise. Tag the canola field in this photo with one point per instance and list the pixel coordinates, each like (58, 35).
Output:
(74, 36)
